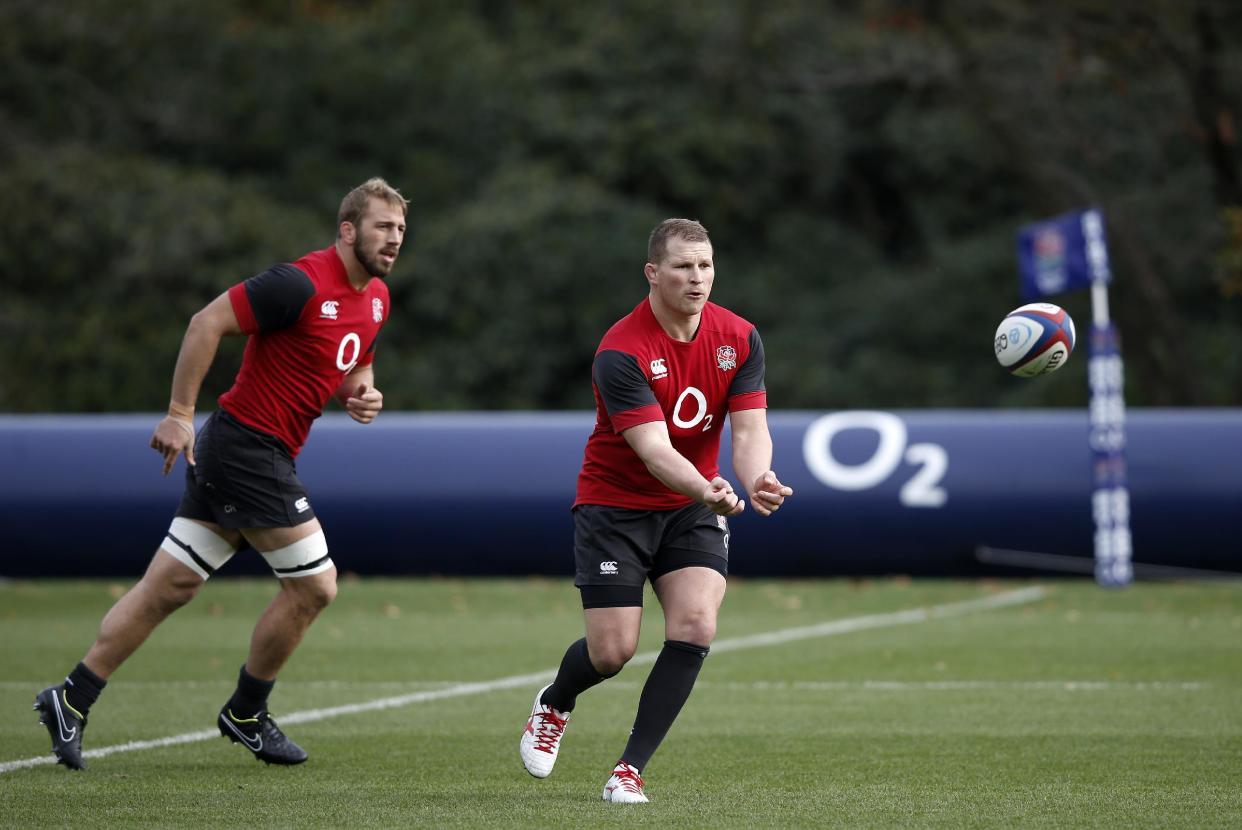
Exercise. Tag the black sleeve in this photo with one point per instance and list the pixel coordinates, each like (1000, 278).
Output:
(620, 381)
(749, 376)
(278, 295)
(374, 342)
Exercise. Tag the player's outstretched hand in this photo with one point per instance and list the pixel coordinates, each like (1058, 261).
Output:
(769, 494)
(364, 404)
(720, 498)
(174, 436)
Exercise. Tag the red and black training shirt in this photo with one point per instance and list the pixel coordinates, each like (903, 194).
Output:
(309, 327)
(641, 375)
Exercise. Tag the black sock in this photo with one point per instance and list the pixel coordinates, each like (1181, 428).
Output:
(251, 695)
(82, 688)
(665, 692)
(574, 677)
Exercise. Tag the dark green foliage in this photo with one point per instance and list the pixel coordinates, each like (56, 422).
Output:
(863, 168)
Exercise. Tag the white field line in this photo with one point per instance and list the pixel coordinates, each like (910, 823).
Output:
(939, 685)
(960, 685)
(732, 685)
(772, 638)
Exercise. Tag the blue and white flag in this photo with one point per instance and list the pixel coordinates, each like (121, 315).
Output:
(1062, 254)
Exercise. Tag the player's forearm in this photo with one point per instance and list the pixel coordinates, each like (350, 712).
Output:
(198, 350)
(675, 472)
(752, 456)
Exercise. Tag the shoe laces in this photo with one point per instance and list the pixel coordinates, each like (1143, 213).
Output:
(267, 724)
(548, 729)
(628, 778)
(264, 725)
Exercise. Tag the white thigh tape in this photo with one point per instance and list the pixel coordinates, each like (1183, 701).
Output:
(303, 558)
(196, 547)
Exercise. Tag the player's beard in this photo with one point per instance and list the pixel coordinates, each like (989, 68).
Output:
(370, 260)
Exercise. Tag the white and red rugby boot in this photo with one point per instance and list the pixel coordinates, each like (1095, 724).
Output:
(541, 739)
(625, 786)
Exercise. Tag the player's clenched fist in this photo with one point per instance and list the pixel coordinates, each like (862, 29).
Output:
(364, 404)
(720, 498)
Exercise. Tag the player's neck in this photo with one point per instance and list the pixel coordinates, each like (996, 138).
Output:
(676, 325)
(354, 272)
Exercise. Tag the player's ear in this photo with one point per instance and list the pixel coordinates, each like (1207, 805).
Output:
(347, 232)
(650, 271)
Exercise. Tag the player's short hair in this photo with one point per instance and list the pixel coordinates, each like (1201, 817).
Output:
(354, 205)
(687, 229)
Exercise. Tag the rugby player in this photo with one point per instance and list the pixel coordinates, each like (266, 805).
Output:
(312, 327)
(651, 504)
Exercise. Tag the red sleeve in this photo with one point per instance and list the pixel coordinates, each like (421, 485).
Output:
(241, 307)
(623, 390)
(633, 417)
(749, 400)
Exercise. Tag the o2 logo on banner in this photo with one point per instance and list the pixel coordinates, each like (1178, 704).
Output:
(922, 490)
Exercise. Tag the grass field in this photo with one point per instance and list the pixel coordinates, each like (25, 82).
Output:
(1070, 706)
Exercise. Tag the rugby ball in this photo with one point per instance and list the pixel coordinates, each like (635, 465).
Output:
(1035, 339)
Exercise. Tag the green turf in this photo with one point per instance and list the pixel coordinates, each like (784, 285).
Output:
(1084, 708)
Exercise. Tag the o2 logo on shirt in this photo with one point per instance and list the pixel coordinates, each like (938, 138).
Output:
(701, 415)
(350, 344)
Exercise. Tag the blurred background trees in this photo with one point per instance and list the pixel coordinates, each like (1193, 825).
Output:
(863, 169)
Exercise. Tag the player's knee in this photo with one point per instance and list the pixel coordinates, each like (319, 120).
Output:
(610, 655)
(169, 590)
(179, 593)
(697, 627)
(609, 663)
(320, 591)
(311, 594)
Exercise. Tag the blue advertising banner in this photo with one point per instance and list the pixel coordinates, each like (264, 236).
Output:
(912, 492)
(1062, 254)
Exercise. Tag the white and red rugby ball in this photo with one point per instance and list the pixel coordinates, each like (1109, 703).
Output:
(1035, 339)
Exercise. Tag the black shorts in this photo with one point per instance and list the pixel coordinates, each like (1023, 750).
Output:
(616, 550)
(242, 478)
